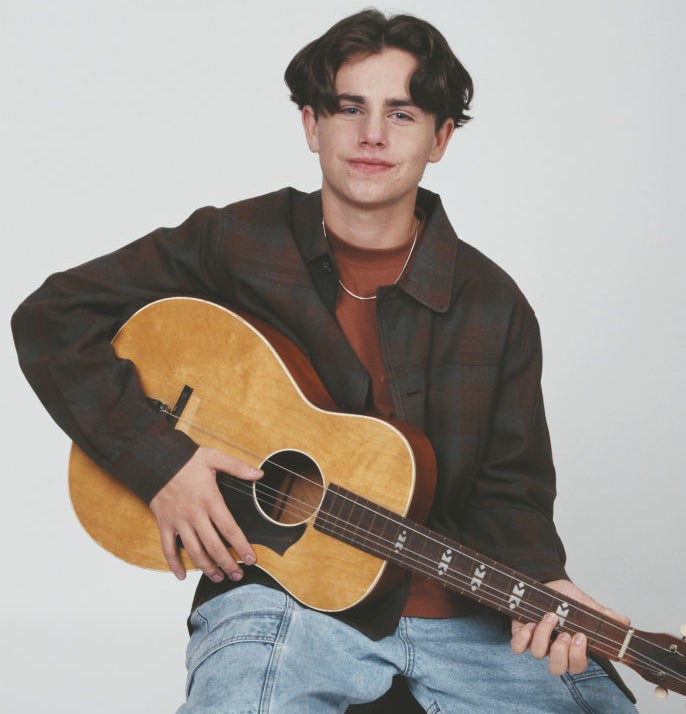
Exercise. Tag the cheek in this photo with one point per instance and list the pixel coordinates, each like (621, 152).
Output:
(326, 145)
(422, 151)
(419, 162)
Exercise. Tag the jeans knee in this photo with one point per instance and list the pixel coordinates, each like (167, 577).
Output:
(233, 678)
(232, 650)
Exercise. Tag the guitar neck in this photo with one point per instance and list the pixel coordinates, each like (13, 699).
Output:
(371, 528)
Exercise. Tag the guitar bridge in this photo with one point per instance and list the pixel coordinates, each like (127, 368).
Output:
(173, 415)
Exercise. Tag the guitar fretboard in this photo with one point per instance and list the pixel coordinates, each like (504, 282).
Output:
(376, 530)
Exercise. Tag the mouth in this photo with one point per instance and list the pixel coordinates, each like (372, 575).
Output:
(370, 166)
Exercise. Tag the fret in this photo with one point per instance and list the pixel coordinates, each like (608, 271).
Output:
(376, 530)
(385, 534)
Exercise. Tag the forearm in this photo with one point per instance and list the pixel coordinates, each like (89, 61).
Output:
(63, 335)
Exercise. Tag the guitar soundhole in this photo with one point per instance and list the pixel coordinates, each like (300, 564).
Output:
(292, 488)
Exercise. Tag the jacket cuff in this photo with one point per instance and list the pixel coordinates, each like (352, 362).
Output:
(153, 459)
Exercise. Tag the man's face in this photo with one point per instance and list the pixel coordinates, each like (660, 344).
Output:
(374, 149)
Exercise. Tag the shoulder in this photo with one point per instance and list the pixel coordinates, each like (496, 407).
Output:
(485, 288)
(472, 275)
(268, 208)
(474, 269)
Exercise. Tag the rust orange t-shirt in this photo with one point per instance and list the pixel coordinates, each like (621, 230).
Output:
(362, 271)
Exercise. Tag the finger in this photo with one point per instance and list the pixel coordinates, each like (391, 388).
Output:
(195, 547)
(578, 654)
(219, 461)
(558, 662)
(171, 552)
(218, 553)
(521, 636)
(540, 642)
(227, 527)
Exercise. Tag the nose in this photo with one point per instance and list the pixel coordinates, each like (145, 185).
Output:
(373, 131)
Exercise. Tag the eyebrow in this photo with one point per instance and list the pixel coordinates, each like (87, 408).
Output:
(359, 99)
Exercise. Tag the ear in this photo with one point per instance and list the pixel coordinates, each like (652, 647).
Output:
(310, 125)
(441, 140)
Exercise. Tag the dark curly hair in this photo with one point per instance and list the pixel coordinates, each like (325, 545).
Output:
(440, 84)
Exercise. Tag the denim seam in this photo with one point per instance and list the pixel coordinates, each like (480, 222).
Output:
(587, 675)
(205, 625)
(195, 661)
(190, 668)
(576, 695)
(403, 634)
(409, 649)
(277, 649)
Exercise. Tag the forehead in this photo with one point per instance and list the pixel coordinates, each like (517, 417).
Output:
(388, 72)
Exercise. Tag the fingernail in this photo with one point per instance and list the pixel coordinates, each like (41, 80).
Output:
(255, 472)
(236, 576)
(216, 578)
(550, 617)
(249, 559)
(579, 639)
(180, 574)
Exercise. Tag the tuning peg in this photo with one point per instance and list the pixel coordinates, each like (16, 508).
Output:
(661, 692)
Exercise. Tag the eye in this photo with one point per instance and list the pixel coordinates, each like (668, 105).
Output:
(401, 116)
(350, 111)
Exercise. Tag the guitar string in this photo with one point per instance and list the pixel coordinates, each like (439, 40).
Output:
(316, 483)
(590, 613)
(497, 598)
(534, 613)
(582, 609)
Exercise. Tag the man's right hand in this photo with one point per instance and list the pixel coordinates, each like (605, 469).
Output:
(191, 506)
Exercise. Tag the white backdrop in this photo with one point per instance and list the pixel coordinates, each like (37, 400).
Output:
(121, 116)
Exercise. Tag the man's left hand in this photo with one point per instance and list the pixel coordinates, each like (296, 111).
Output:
(566, 652)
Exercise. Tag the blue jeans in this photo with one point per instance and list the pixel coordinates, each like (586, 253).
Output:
(255, 650)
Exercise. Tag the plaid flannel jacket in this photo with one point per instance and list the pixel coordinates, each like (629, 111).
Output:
(460, 342)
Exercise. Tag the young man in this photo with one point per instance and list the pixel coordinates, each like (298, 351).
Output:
(400, 319)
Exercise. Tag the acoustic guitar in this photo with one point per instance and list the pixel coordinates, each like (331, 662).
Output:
(336, 517)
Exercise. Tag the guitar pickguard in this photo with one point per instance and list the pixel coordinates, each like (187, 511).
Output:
(258, 529)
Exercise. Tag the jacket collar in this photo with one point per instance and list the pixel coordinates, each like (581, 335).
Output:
(430, 278)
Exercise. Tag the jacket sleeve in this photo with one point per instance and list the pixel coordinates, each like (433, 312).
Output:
(509, 514)
(63, 331)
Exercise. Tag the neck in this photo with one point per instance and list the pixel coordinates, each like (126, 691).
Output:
(370, 227)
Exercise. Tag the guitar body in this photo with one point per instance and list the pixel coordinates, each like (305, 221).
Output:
(255, 396)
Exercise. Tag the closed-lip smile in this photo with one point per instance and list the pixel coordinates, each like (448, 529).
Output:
(370, 165)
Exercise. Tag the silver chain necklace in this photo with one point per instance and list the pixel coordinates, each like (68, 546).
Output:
(402, 270)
